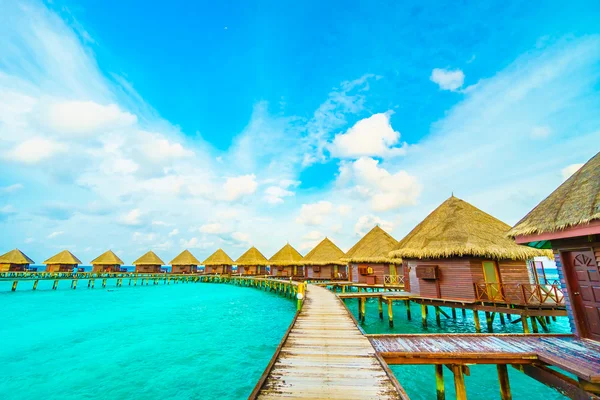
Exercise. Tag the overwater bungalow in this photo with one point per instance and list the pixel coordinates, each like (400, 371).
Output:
(184, 263)
(64, 261)
(107, 262)
(252, 262)
(369, 261)
(14, 260)
(148, 263)
(460, 252)
(325, 262)
(285, 263)
(218, 263)
(568, 222)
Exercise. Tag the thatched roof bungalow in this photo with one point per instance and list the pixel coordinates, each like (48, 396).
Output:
(461, 252)
(568, 221)
(218, 263)
(64, 261)
(14, 260)
(107, 262)
(325, 262)
(369, 261)
(148, 263)
(184, 263)
(285, 263)
(252, 262)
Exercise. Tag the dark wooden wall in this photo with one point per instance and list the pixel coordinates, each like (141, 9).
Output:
(379, 270)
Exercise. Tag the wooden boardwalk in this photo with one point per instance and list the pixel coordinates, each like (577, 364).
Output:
(324, 355)
(579, 357)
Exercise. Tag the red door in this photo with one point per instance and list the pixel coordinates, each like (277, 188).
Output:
(584, 279)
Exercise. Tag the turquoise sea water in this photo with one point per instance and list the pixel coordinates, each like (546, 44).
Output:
(419, 380)
(184, 341)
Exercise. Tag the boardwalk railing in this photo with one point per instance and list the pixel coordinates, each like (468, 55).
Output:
(520, 293)
(393, 280)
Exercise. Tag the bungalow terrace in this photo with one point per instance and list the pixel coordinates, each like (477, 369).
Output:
(252, 262)
(324, 262)
(184, 263)
(148, 263)
(218, 263)
(64, 261)
(285, 263)
(460, 252)
(107, 262)
(14, 260)
(369, 261)
(568, 222)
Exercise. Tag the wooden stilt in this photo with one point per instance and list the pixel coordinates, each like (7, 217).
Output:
(525, 325)
(74, 284)
(93, 282)
(408, 316)
(439, 382)
(424, 315)
(437, 316)
(14, 285)
(104, 282)
(55, 285)
(380, 305)
(464, 313)
(489, 321)
(390, 313)
(543, 323)
(534, 325)
(509, 316)
(35, 284)
(505, 393)
(453, 313)
(476, 319)
(502, 319)
(363, 308)
(548, 320)
(459, 382)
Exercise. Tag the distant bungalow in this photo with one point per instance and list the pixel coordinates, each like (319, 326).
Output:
(252, 262)
(184, 263)
(64, 261)
(218, 263)
(107, 262)
(14, 260)
(369, 261)
(148, 263)
(286, 262)
(461, 252)
(568, 221)
(324, 262)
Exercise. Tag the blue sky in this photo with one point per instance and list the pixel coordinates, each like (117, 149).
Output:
(207, 125)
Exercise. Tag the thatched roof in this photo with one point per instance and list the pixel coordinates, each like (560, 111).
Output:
(64, 257)
(287, 255)
(219, 257)
(575, 202)
(455, 229)
(15, 256)
(325, 253)
(107, 258)
(185, 258)
(374, 247)
(252, 257)
(149, 259)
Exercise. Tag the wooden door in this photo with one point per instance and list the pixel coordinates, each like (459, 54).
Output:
(491, 276)
(584, 282)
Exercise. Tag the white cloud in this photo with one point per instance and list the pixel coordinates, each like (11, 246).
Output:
(372, 136)
(385, 191)
(313, 214)
(84, 118)
(237, 187)
(213, 228)
(131, 218)
(157, 148)
(143, 237)
(29, 240)
(540, 132)
(275, 194)
(11, 188)
(174, 232)
(570, 170)
(344, 209)
(35, 150)
(55, 234)
(314, 235)
(368, 222)
(448, 79)
(195, 243)
(160, 223)
(241, 238)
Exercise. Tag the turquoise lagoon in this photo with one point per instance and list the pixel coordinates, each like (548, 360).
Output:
(184, 341)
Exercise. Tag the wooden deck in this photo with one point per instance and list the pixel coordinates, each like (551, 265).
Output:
(579, 357)
(325, 356)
